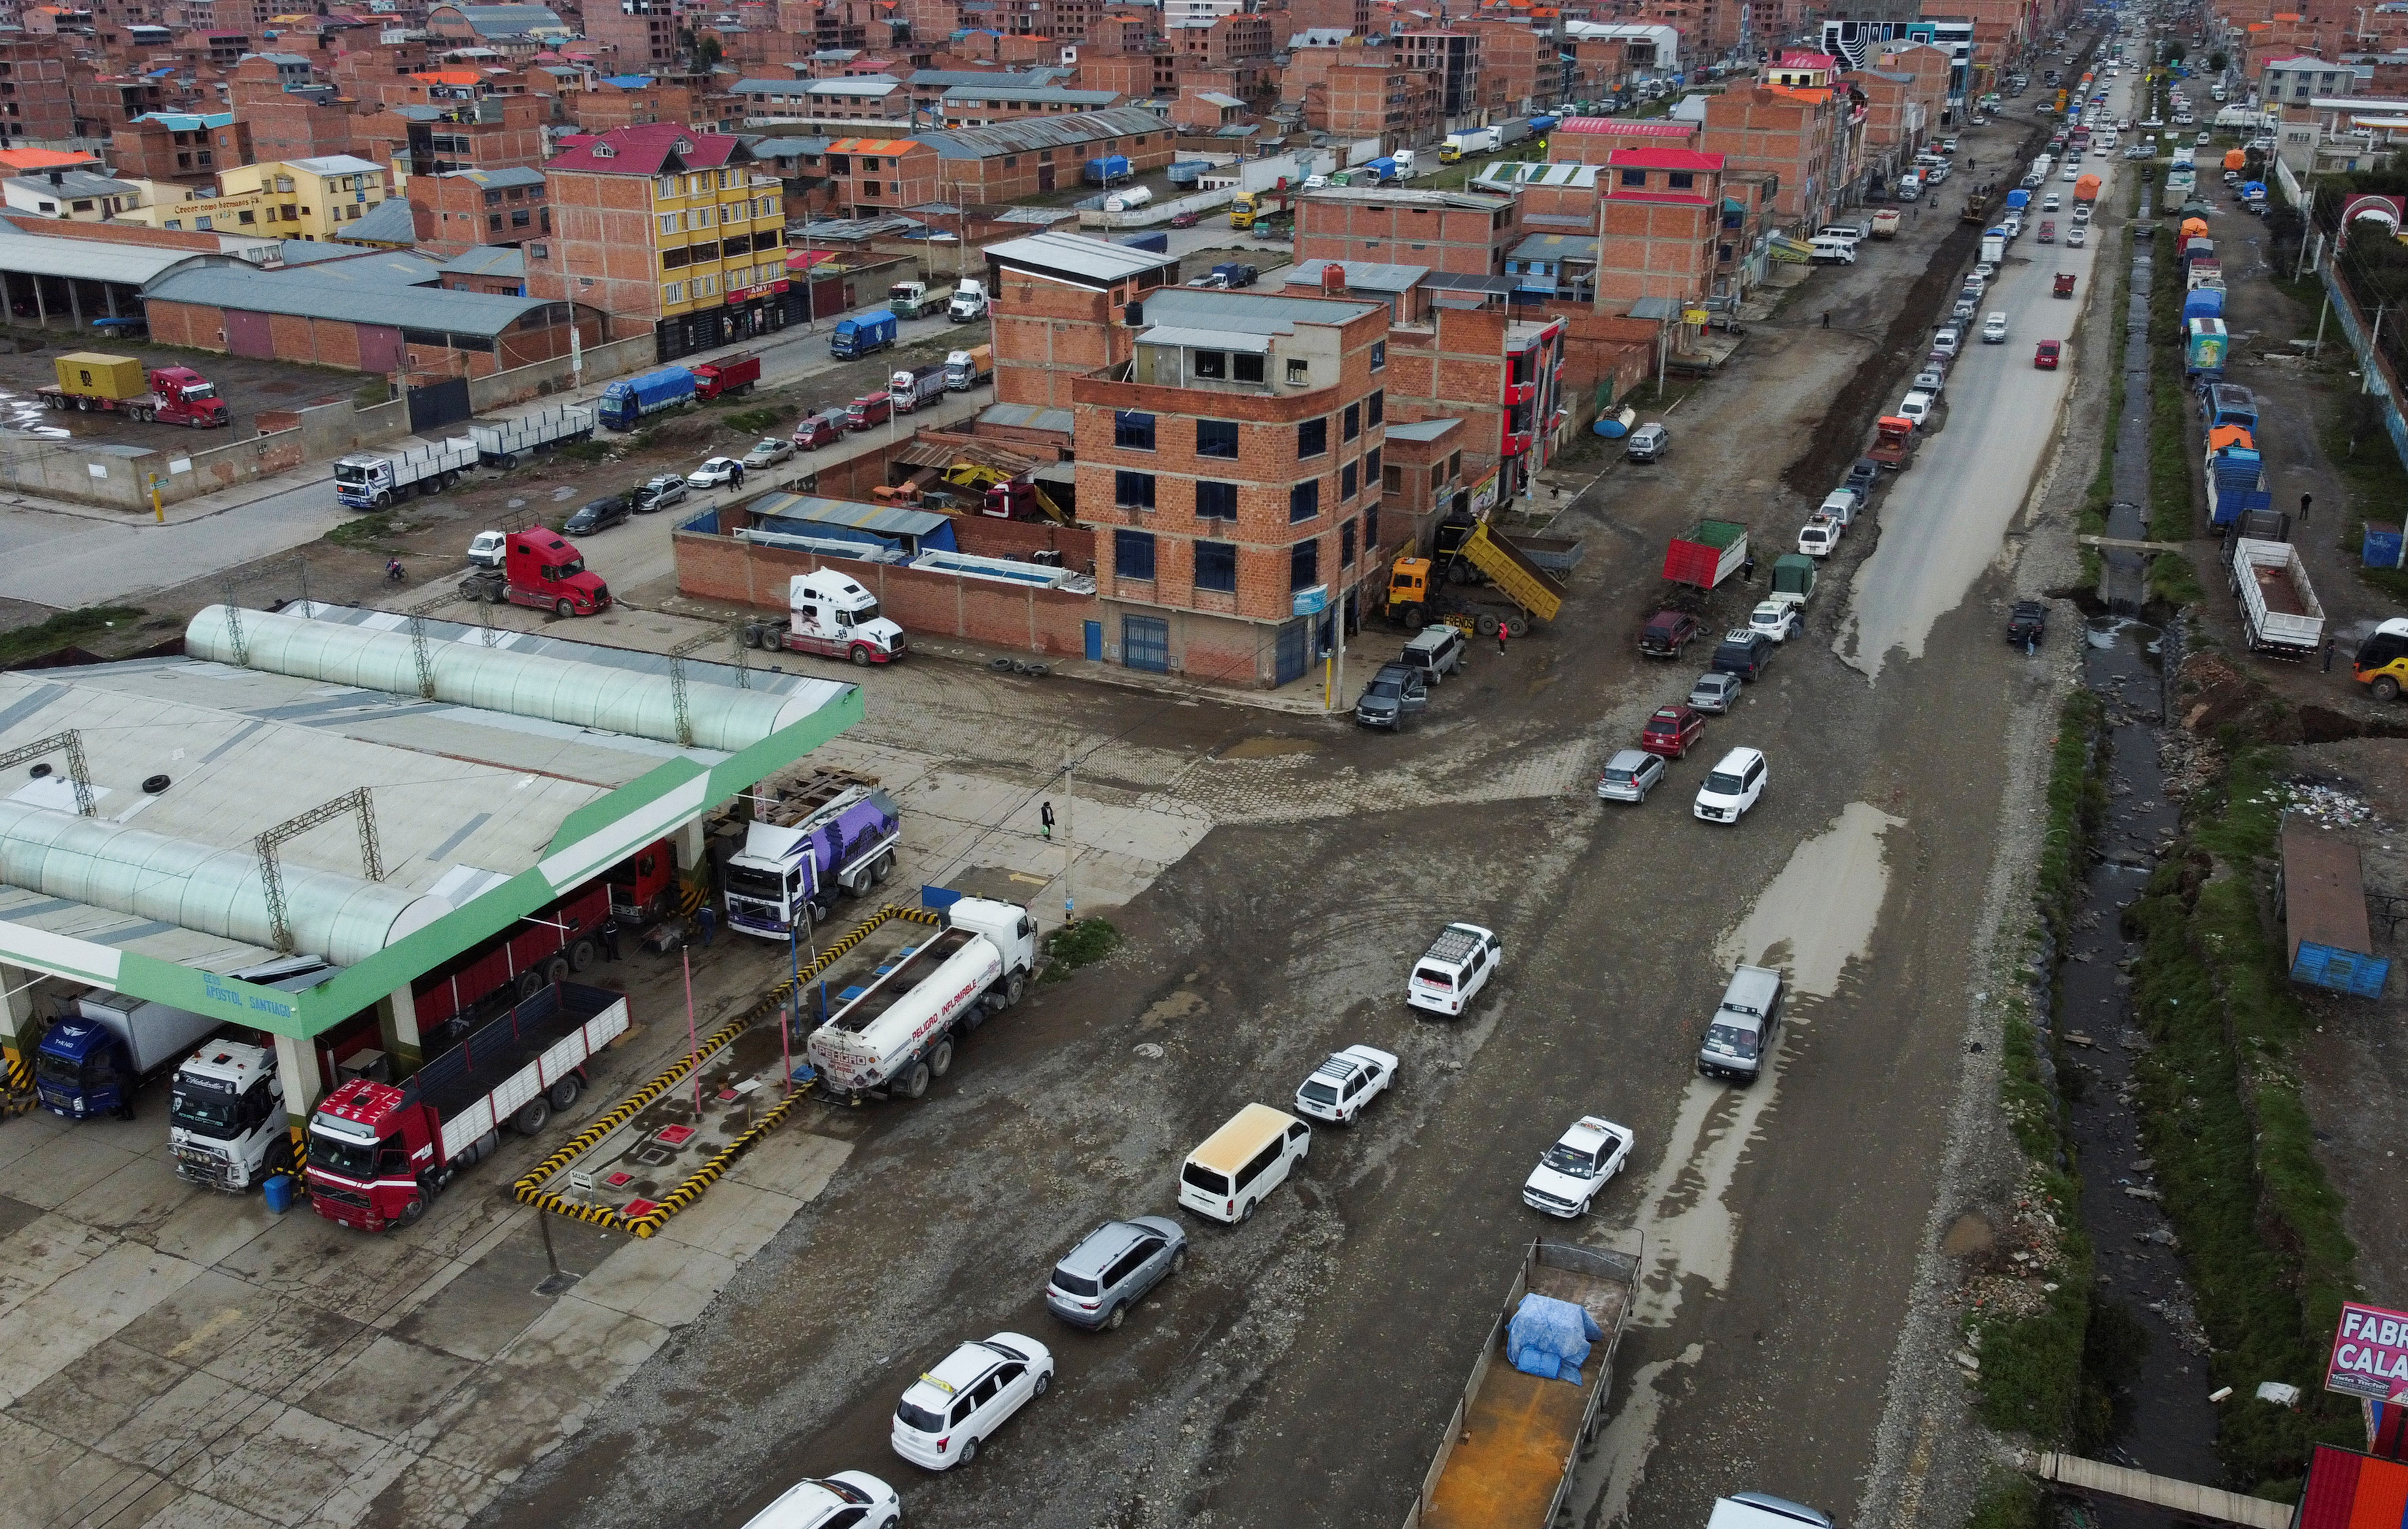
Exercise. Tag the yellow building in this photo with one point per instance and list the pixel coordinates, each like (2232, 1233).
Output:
(307, 198)
(167, 204)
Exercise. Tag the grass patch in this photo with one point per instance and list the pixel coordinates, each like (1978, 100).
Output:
(365, 531)
(2077, 805)
(1074, 945)
(2009, 1501)
(64, 630)
(2260, 1225)
(756, 421)
(585, 451)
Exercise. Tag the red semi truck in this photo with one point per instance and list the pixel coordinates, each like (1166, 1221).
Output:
(538, 569)
(730, 377)
(380, 1152)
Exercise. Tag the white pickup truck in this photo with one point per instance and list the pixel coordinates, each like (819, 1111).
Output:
(898, 1030)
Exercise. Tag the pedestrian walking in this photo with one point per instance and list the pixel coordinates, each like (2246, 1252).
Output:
(2305, 499)
(1826, 318)
(1501, 634)
(708, 922)
(2329, 647)
(1045, 819)
(1747, 569)
(610, 938)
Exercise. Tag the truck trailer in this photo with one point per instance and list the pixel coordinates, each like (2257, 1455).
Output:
(380, 1152)
(631, 398)
(863, 334)
(897, 1031)
(501, 445)
(373, 480)
(911, 388)
(1707, 554)
(830, 832)
(966, 369)
(2280, 613)
(117, 385)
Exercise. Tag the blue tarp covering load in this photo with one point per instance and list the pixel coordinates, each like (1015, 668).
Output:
(1550, 1339)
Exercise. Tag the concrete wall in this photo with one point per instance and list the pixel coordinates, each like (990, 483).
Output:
(520, 383)
(119, 477)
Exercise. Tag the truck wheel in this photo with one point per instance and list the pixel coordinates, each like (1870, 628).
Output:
(279, 1158)
(581, 954)
(384, 498)
(1485, 624)
(508, 461)
(881, 868)
(564, 1093)
(555, 972)
(2385, 687)
(530, 984)
(916, 1082)
(1516, 626)
(562, 610)
(532, 1116)
(861, 654)
(1412, 617)
(123, 1112)
(941, 1060)
(411, 1212)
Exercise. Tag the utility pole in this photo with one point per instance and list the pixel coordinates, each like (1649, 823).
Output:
(1069, 837)
(2373, 353)
(2307, 232)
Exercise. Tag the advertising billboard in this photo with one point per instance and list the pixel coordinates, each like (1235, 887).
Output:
(2370, 1354)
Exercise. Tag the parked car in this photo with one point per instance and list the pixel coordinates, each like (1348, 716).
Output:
(1965, 308)
(2076, 236)
(1183, 220)
(768, 453)
(1451, 973)
(817, 430)
(717, 471)
(1776, 619)
(2046, 356)
(847, 1500)
(2027, 624)
(1949, 340)
(660, 492)
(485, 548)
(1715, 692)
(598, 515)
(2050, 203)
(1396, 692)
(1862, 474)
(1628, 775)
(1583, 1161)
(1916, 406)
(1744, 652)
(1647, 443)
(2082, 213)
(1343, 1088)
(1667, 632)
(1672, 732)
(1929, 380)
(1732, 787)
(959, 1403)
(1098, 1281)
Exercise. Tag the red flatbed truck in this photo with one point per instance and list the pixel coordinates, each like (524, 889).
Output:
(730, 377)
(1892, 441)
(380, 1152)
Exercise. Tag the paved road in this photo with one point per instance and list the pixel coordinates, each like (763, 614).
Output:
(1300, 1371)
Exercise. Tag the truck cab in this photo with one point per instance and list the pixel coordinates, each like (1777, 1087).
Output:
(968, 303)
(830, 614)
(540, 568)
(226, 1124)
(2382, 661)
(81, 1069)
(187, 397)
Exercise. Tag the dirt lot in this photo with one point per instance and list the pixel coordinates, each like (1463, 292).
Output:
(246, 385)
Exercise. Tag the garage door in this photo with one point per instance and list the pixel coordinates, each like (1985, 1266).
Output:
(1294, 652)
(1145, 644)
(247, 334)
(379, 348)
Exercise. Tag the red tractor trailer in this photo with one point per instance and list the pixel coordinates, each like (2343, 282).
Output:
(549, 946)
(380, 1152)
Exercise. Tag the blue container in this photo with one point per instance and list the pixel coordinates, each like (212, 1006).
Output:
(2382, 547)
(279, 1190)
(2344, 971)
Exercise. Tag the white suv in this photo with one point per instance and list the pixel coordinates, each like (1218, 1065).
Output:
(972, 1392)
(1456, 966)
(1344, 1087)
(1732, 787)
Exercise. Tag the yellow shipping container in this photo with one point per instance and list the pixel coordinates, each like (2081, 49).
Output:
(97, 376)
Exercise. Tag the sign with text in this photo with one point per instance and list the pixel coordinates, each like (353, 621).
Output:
(2370, 1354)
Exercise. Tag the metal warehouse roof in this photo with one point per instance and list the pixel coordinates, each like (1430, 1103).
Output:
(309, 294)
(1030, 134)
(1027, 416)
(501, 260)
(1040, 95)
(886, 519)
(131, 265)
(1075, 256)
(1364, 275)
(491, 800)
(389, 221)
(1248, 312)
(1423, 429)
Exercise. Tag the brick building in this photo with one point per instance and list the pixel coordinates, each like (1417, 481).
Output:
(1454, 58)
(641, 34)
(34, 102)
(983, 106)
(669, 230)
(1520, 71)
(1231, 470)
(1594, 140)
(185, 147)
(870, 178)
(1792, 134)
(1399, 106)
(1137, 76)
(458, 211)
(1465, 232)
(1034, 155)
(1660, 225)
(1059, 310)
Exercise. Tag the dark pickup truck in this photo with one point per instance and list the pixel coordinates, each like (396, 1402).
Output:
(2027, 624)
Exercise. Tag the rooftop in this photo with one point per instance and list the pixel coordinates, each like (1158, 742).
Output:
(1032, 134)
(129, 264)
(73, 184)
(497, 260)
(1030, 95)
(327, 292)
(649, 150)
(1214, 313)
(390, 221)
(1476, 201)
(1360, 275)
(336, 165)
(515, 175)
(1079, 257)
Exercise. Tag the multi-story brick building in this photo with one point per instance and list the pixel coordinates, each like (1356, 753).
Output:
(1520, 67)
(870, 178)
(1660, 223)
(641, 34)
(1059, 310)
(188, 146)
(499, 132)
(1232, 469)
(1465, 232)
(1792, 134)
(1399, 106)
(1138, 76)
(34, 102)
(983, 106)
(863, 99)
(1454, 57)
(457, 210)
(314, 199)
(669, 230)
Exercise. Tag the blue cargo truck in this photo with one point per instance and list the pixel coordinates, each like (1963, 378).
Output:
(92, 1061)
(863, 334)
(629, 399)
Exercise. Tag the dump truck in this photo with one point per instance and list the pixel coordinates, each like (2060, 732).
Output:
(501, 445)
(966, 369)
(1517, 592)
(917, 299)
(1506, 1458)
(1893, 442)
(898, 1030)
(373, 480)
(117, 385)
(729, 377)
(1249, 208)
(1707, 554)
(2280, 615)
(824, 833)
(380, 1152)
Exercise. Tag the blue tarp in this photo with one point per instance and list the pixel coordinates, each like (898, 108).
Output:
(1550, 1339)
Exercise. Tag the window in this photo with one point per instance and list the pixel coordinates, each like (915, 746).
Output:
(1378, 407)
(1216, 438)
(1312, 438)
(1213, 366)
(1372, 527)
(673, 293)
(1216, 566)
(1379, 355)
(1304, 500)
(1133, 431)
(1135, 489)
(1216, 501)
(1680, 179)
(1298, 372)
(1455, 466)
(1247, 367)
(1346, 480)
(1353, 420)
(1346, 545)
(1634, 177)
(1133, 555)
(1391, 481)
(1370, 465)
(1304, 565)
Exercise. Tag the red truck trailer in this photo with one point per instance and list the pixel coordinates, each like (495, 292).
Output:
(1892, 441)
(545, 947)
(380, 1152)
(538, 569)
(730, 377)
(1707, 554)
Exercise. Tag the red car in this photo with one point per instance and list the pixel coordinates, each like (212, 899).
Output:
(819, 430)
(1672, 732)
(2045, 358)
(1183, 220)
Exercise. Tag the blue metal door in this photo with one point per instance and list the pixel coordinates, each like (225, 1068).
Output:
(1095, 642)
(1294, 652)
(1145, 644)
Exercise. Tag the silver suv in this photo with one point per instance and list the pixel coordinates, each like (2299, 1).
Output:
(1098, 1281)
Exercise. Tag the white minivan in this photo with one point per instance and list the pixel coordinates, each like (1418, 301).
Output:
(1238, 1165)
(1730, 789)
(1836, 251)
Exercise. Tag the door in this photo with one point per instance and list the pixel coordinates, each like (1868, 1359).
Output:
(439, 404)
(379, 348)
(1095, 642)
(247, 335)
(1294, 655)
(1044, 178)
(1145, 644)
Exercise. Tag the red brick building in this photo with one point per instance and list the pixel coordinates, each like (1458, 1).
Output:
(1465, 232)
(188, 148)
(872, 177)
(1060, 311)
(1791, 133)
(456, 212)
(1660, 223)
(1399, 106)
(34, 97)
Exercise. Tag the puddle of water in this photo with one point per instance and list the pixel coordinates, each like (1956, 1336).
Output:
(1692, 1232)
(1819, 913)
(1967, 1236)
(1630, 1437)
(1268, 748)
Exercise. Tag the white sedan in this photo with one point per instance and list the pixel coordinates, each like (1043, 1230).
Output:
(948, 1412)
(1583, 1161)
(847, 1500)
(715, 472)
(1343, 1088)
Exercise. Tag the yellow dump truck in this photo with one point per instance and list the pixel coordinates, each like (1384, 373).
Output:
(1518, 591)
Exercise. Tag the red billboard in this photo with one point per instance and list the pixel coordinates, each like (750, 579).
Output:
(2370, 1354)
(2351, 1490)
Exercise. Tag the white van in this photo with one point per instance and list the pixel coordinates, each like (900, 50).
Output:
(1837, 252)
(1227, 1177)
(1910, 186)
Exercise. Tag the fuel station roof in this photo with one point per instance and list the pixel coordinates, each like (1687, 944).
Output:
(499, 793)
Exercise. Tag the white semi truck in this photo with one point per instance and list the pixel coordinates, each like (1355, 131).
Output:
(373, 480)
(832, 614)
(898, 1030)
(226, 1122)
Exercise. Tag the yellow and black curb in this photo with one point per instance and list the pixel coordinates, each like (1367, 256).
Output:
(529, 1187)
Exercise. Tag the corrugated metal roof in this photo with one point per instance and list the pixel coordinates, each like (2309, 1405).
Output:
(1363, 275)
(73, 184)
(1399, 196)
(514, 175)
(1027, 416)
(947, 79)
(938, 454)
(130, 264)
(1425, 430)
(308, 295)
(1556, 247)
(1074, 255)
(1212, 310)
(364, 266)
(1030, 94)
(500, 260)
(886, 519)
(1030, 134)
(387, 223)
